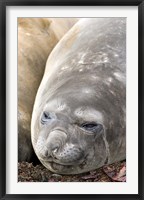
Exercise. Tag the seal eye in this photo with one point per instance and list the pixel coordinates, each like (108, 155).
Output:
(94, 127)
(45, 117)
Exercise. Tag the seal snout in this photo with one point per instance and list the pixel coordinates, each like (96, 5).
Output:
(57, 149)
(60, 150)
(55, 141)
(69, 154)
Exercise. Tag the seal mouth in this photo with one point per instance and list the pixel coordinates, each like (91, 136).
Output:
(54, 162)
(51, 161)
(63, 168)
(69, 163)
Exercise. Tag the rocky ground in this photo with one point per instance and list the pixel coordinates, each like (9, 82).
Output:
(27, 172)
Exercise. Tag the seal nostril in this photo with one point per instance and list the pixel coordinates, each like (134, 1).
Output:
(46, 154)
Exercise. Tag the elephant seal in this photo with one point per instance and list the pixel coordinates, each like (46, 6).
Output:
(78, 121)
(36, 39)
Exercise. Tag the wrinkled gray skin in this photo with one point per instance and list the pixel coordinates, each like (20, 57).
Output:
(84, 83)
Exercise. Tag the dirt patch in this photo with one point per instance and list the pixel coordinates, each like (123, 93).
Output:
(116, 172)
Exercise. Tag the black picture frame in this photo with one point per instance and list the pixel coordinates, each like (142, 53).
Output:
(3, 5)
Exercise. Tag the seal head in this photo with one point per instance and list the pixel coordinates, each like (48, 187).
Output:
(70, 138)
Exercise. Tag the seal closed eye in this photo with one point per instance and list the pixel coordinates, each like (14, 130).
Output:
(94, 127)
(78, 121)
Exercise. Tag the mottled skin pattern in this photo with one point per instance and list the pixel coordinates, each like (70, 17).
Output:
(78, 121)
(36, 39)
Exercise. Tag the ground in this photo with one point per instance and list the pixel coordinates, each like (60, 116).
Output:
(116, 172)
